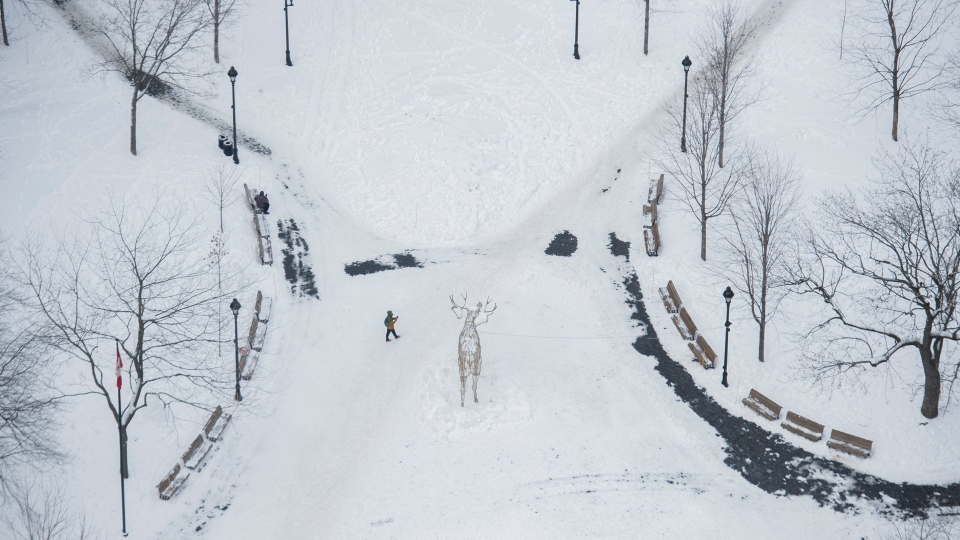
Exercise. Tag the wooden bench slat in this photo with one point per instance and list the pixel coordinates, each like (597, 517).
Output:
(672, 289)
(688, 321)
(803, 427)
(763, 405)
(263, 314)
(216, 424)
(698, 355)
(667, 300)
(650, 242)
(707, 349)
(850, 444)
(172, 482)
(197, 452)
(682, 328)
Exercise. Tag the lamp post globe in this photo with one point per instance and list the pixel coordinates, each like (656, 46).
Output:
(233, 94)
(686, 63)
(235, 308)
(727, 296)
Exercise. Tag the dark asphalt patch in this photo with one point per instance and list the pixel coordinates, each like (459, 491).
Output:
(563, 245)
(618, 247)
(399, 260)
(769, 462)
(295, 268)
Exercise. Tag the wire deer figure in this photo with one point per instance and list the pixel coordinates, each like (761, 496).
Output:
(469, 344)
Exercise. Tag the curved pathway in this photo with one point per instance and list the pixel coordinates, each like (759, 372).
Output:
(771, 463)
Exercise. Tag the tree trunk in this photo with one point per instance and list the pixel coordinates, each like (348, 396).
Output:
(3, 25)
(931, 384)
(216, 31)
(703, 235)
(646, 25)
(896, 114)
(124, 470)
(723, 121)
(133, 121)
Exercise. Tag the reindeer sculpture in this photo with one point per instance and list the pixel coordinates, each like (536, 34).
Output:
(469, 345)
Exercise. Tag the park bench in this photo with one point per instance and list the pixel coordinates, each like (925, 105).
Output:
(804, 427)
(703, 353)
(651, 239)
(262, 226)
(763, 405)
(850, 444)
(216, 424)
(670, 297)
(656, 190)
(197, 452)
(649, 215)
(172, 482)
(684, 324)
(263, 314)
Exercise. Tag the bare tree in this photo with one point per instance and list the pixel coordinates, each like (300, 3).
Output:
(728, 66)
(220, 12)
(150, 42)
(886, 266)
(221, 189)
(763, 216)
(137, 278)
(942, 527)
(39, 511)
(897, 51)
(26, 404)
(706, 187)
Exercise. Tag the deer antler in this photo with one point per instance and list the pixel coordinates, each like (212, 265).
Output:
(455, 307)
(485, 310)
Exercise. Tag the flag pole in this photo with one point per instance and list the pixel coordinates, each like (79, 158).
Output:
(123, 497)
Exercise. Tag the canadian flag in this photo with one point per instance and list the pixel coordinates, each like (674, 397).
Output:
(119, 366)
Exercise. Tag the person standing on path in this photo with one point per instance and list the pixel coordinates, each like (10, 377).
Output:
(389, 322)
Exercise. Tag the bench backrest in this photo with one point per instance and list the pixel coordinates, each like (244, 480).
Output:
(653, 211)
(706, 349)
(795, 418)
(166, 481)
(247, 196)
(193, 448)
(851, 439)
(656, 238)
(253, 330)
(687, 320)
(256, 307)
(213, 419)
(659, 187)
(767, 402)
(674, 295)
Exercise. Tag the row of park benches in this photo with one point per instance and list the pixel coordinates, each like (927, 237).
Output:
(262, 226)
(806, 428)
(702, 351)
(194, 456)
(213, 429)
(651, 230)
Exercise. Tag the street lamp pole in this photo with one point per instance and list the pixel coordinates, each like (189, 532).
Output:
(233, 92)
(576, 32)
(286, 22)
(728, 296)
(686, 63)
(235, 307)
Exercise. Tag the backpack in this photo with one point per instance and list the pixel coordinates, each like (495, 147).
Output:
(386, 322)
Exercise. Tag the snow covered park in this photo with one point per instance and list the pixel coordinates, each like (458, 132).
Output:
(421, 156)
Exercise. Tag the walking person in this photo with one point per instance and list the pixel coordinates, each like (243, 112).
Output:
(389, 322)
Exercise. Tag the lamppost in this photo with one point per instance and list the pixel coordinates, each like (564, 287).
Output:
(235, 307)
(236, 144)
(576, 32)
(686, 63)
(286, 22)
(728, 296)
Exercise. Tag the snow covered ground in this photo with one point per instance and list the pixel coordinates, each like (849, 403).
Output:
(466, 133)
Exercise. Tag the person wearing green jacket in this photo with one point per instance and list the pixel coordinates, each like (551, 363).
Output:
(389, 322)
